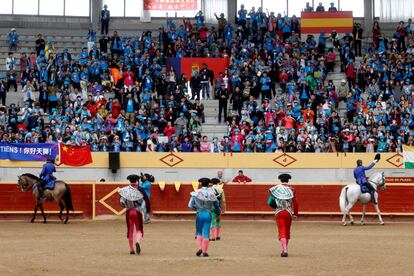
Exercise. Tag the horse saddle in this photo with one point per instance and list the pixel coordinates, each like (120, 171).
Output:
(364, 189)
(50, 185)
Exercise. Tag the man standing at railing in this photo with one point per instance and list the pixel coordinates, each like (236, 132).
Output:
(241, 178)
(332, 8)
(308, 8)
(320, 8)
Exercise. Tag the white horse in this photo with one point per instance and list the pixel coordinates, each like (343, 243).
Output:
(351, 193)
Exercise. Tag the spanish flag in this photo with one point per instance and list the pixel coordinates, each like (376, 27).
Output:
(315, 22)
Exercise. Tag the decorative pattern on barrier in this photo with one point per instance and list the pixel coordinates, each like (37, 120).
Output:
(92, 199)
(108, 206)
(171, 160)
(285, 160)
(396, 160)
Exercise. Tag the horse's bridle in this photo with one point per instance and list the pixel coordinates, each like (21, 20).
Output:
(22, 184)
(380, 185)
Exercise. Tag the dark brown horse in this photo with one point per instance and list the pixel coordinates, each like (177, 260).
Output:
(60, 194)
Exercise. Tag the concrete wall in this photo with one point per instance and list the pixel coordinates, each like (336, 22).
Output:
(188, 175)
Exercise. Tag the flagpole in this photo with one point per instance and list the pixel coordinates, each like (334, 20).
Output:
(60, 162)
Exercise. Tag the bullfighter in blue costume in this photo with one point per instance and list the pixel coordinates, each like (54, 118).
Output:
(203, 200)
(361, 179)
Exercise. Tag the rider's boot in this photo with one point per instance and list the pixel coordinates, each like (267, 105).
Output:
(41, 194)
(373, 197)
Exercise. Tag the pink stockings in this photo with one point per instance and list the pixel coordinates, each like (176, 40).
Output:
(202, 244)
(215, 232)
(284, 244)
(131, 240)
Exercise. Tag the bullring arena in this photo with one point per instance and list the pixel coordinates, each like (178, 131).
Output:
(93, 242)
(99, 92)
(247, 248)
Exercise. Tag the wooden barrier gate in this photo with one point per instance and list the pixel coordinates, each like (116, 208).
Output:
(92, 199)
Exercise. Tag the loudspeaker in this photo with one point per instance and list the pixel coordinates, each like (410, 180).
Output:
(114, 161)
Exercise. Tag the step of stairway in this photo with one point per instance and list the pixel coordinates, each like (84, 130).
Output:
(54, 40)
(215, 128)
(211, 120)
(73, 49)
(210, 103)
(211, 110)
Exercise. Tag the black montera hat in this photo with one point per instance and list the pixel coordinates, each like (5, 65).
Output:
(284, 178)
(215, 181)
(204, 181)
(133, 178)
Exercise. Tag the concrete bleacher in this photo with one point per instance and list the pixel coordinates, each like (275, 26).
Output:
(74, 38)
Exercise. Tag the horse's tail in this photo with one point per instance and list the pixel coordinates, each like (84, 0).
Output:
(343, 199)
(67, 197)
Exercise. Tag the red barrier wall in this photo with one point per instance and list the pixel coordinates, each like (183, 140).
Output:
(13, 201)
(313, 199)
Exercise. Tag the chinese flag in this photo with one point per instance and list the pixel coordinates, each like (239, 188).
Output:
(75, 155)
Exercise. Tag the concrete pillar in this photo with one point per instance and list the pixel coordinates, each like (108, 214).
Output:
(96, 7)
(368, 17)
(231, 10)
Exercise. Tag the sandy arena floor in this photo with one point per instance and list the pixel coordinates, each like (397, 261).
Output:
(246, 248)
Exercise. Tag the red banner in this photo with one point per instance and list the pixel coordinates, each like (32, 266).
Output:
(217, 65)
(170, 5)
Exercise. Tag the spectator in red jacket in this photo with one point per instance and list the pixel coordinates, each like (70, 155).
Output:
(241, 178)
(350, 73)
(169, 130)
(116, 108)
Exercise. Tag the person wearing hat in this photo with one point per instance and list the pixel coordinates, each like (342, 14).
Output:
(216, 218)
(13, 39)
(222, 22)
(282, 199)
(46, 176)
(361, 179)
(131, 198)
(202, 201)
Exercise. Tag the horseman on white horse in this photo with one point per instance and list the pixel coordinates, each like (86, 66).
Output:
(361, 179)
(365, 191)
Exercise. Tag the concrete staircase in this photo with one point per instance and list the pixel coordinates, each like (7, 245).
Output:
(73, 39)
(211, 128)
